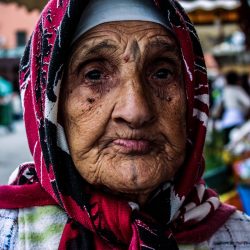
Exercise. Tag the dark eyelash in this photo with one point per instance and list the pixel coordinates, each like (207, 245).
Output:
(99, 86)
(102, 58)
(84, 63)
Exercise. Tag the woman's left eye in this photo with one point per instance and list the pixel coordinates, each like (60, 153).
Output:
(162, 74)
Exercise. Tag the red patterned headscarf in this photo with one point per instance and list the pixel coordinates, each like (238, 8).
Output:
(183, 210)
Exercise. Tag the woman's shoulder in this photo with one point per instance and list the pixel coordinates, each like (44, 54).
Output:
(33, 228)
(234, 234)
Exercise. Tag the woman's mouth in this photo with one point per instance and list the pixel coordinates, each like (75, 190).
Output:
(128, 146)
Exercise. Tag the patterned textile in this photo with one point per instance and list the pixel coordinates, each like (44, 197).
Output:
(233, 235)
(8, 228)
(31, 228)
(183, 210)
(40, 227)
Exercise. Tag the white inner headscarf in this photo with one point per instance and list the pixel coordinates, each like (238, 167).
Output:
(104, 11)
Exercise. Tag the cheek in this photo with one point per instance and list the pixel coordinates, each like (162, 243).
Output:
(173, 118)
(84, 119)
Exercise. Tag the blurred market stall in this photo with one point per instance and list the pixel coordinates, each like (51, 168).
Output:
(209, 11)
(30, 4)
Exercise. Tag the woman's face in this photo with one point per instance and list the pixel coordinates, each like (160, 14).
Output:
(124, 107)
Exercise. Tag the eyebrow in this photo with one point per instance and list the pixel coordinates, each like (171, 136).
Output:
(88, 50)
(106, 45)
(103, 45)
(164, 45)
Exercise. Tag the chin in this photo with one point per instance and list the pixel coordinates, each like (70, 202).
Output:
(136, 177)
(130, 193)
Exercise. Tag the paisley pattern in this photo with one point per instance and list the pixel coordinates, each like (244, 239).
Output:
(182, 210)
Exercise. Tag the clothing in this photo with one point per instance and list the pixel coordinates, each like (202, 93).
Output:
(182, 210)
(5, 87)
(6, 112)
(234, 97)
(31, 228)
(236, 104)
(42, 227)
(104, 11)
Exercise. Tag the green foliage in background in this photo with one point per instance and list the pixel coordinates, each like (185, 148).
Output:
(213, 151)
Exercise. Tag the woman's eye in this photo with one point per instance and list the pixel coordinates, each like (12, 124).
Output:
(94, 75)
(162, 74)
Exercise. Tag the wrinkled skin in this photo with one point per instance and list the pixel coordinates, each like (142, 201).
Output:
(124, 107)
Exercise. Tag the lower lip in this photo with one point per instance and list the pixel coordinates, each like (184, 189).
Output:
(133, 146)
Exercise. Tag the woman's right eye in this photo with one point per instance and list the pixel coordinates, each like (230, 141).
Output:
(93, 75)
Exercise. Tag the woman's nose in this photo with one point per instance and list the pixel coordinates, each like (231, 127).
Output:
(133, 106)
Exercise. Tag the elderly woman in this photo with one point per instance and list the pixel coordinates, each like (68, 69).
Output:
(115, 106)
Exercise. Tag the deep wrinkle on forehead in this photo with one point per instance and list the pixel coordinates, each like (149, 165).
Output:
(102, 45)
(97, 44)
(122, 35)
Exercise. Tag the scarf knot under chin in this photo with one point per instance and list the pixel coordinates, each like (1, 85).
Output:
(118, 226)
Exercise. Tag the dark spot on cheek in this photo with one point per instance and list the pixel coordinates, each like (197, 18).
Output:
(169, 99)
(91, 100)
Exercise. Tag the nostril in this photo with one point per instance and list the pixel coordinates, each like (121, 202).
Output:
(134, 108)
(120, 120)
(136, 123)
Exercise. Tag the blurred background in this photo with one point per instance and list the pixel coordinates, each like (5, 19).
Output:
(224, 30)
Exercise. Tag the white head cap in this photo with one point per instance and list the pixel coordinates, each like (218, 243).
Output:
(104, 11)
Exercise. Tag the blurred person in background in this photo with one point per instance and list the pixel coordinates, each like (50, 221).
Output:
(16, 99)
(115, 98)
(236, 104)
(245, 83)
(216, 89)
(6, 109)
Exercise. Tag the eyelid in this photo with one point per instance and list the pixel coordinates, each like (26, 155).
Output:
(86, 81)
(85, 63)
(98, 62)
(157, 65)
(167, 63)
(168, 60)
(162, 68)
(103, 57)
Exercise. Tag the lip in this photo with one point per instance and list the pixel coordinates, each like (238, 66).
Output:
(135, 146)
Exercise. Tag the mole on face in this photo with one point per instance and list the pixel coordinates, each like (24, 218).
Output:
(91, 100)
(134, 173)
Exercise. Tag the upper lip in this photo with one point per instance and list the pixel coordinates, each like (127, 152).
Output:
(135, 138)
(152, 139)
(133, 145)
(137, 135)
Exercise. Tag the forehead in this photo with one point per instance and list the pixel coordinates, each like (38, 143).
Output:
(145, 33)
